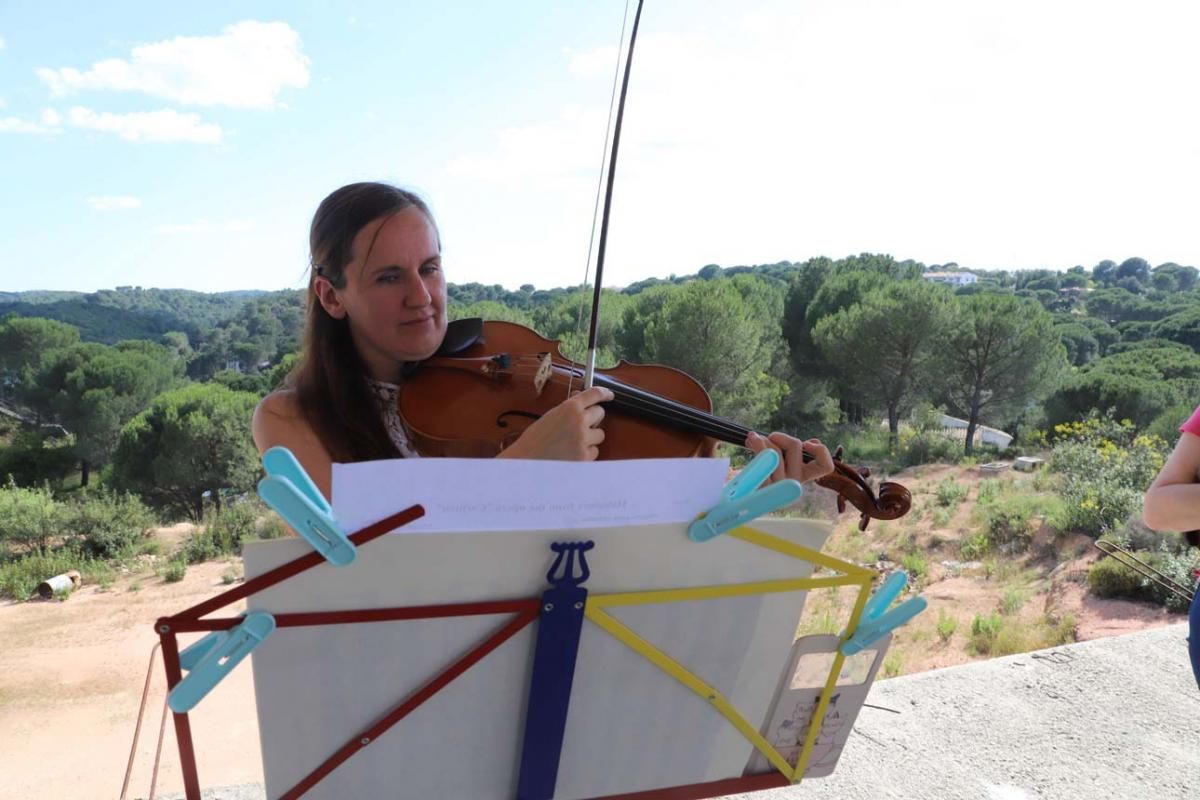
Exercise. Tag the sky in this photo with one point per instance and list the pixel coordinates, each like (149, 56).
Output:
(186, 145)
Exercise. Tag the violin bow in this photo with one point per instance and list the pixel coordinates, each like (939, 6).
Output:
(590, 359)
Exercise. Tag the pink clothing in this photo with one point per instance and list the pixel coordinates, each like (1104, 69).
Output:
(1192, 425)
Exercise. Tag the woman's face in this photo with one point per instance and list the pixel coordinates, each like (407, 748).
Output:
(394, 293)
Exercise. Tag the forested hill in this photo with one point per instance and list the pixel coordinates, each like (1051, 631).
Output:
(128, 312)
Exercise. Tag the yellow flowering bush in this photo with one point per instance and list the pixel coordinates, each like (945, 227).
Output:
(1106, 467)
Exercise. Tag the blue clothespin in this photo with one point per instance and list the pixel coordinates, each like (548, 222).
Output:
(742, 500)
(291, 493)
(209, 660)
(876, 620)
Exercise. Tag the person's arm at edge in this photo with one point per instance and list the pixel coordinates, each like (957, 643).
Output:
(1172, 502)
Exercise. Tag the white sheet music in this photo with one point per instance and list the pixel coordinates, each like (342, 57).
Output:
(474, 494)
(630, 726)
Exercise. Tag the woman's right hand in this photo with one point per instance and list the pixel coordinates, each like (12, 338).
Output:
(568, 432)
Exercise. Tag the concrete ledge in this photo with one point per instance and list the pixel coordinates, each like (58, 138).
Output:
(1110, 719)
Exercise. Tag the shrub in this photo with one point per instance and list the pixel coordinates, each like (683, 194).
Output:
(175, 570)
(974, 547)
(1045, 481)
(107, 524)
(915, 565)
(29, 518)
(925, 442)
(1106, 468)
(1135, 535)
(893, 663)
(928, 448)
(1109, 577)
(272, 527)
(223, 533)
(866, 444)
(985, 632)
(19, 579)
(950, 493)
(1012, 601)
(1009, 524)
(30, 460)
(1059, 631)
(946, 625)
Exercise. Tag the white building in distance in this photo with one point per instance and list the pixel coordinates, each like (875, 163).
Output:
(952, 278)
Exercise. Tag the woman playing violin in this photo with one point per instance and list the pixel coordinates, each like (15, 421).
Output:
(376, 307)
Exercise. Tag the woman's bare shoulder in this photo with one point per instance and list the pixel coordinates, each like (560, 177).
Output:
(279, 422)
(278, 417)
(280, 403)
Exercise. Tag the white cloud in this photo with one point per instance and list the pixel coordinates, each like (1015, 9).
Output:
(548, 151)
(3, 44)
(51, 118)
(114, 202)
(247, 66)
(203, 225)
(166, 125)
(596, 61)
(18, 125)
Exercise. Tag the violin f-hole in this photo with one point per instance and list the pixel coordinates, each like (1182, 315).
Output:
(501, 422)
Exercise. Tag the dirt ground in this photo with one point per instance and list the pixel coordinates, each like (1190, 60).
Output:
(72, 672)
(71, 678)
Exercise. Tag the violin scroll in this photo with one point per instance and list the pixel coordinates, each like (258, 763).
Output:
(892, 502)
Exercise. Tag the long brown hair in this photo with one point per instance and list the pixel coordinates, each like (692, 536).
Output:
(331, 379)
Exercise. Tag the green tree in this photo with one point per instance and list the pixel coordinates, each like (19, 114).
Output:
(568, 319)
(188, 442)
(489, 309)
(1137, 381)
(1137, 269)
(629, 339)
(24, 343)
(1171, 277)
(999, 354)
(279, 373)
(710, 330)
(178, 343)
(1106, 335)
(1079, 341)
(1183, 327)
(1105, 272)
(25, 340)
(94, 389)
(883, 345)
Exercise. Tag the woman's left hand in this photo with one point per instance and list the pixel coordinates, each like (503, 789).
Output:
(791, 450)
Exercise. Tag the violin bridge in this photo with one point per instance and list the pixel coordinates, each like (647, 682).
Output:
(543, 373)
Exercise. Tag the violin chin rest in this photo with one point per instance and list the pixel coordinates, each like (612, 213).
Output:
(460, 334)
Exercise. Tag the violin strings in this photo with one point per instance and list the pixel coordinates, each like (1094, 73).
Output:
(661, 408)
(647, 404)
(641, 402)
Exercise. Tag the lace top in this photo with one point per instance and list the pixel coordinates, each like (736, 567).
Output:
(385, 395)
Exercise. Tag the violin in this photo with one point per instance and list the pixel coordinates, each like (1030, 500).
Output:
(491, 380)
